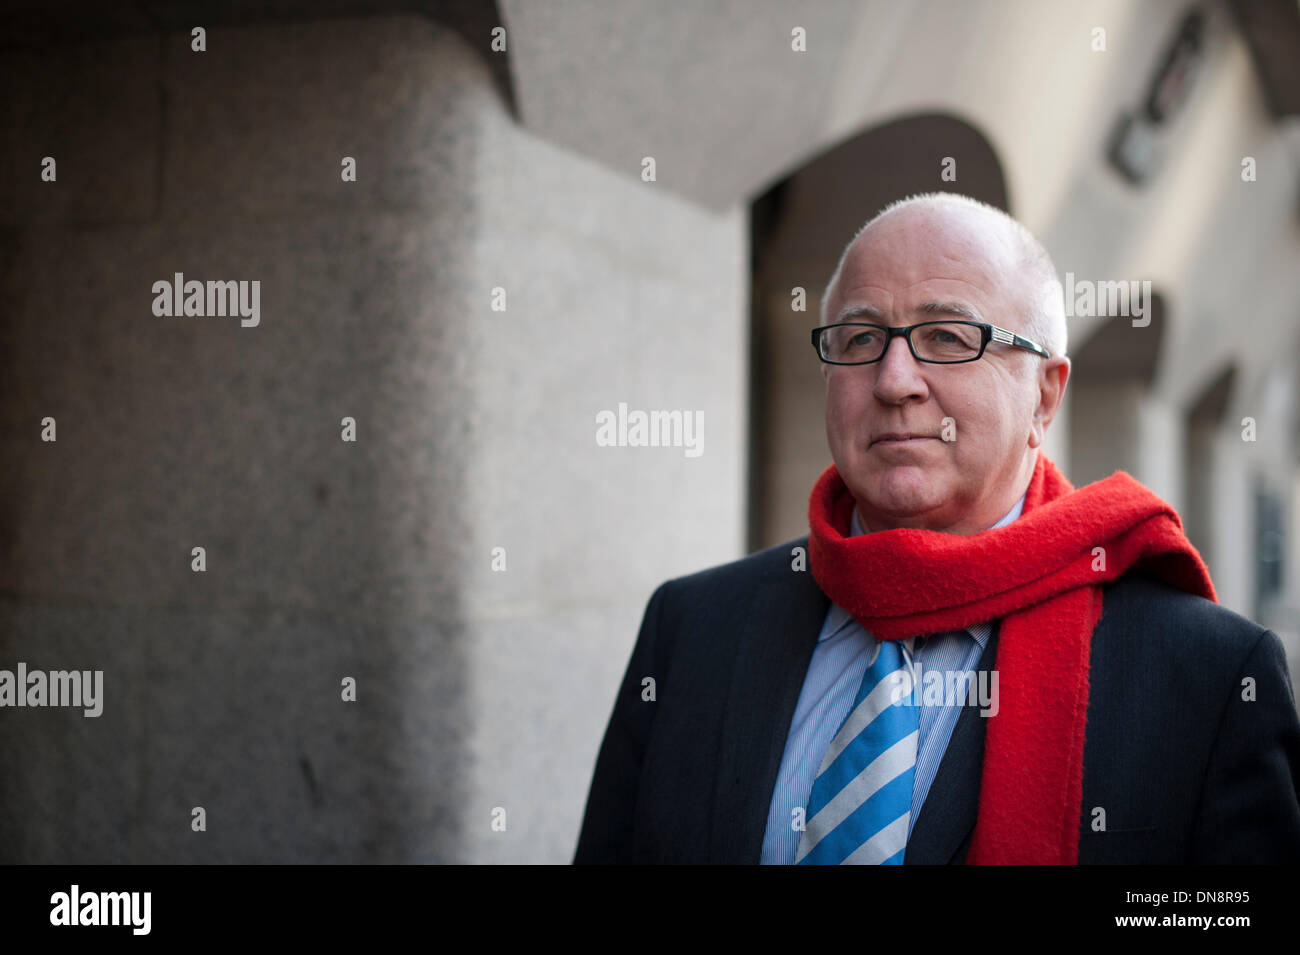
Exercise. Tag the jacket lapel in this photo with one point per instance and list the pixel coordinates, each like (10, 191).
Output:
(771, 657)
(942, 832)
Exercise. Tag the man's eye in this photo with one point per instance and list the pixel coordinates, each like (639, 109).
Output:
(948, 335)
(863, 338)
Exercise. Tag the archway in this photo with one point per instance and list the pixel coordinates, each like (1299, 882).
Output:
(799, 228)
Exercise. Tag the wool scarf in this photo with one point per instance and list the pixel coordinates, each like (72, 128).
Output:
(1042, 575)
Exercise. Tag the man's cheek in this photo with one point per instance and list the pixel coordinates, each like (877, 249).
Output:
(840, 422)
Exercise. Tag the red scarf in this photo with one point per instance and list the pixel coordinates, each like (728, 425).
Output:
(1041, 574)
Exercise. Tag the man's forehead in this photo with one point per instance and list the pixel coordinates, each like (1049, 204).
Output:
(926, 259)
(866, 297)
(856, 307)
(915, 252)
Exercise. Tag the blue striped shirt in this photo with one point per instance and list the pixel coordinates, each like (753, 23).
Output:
(830, 686)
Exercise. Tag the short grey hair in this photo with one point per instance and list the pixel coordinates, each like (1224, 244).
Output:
(1045, 323)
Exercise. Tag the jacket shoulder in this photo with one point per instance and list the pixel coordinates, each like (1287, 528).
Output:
(760, 570)
(1158, 612)
(754, 590)
(1192, 742)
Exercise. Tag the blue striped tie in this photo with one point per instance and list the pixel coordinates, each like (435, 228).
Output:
(861, 802)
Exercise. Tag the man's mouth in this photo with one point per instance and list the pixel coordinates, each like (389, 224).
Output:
(894, 438)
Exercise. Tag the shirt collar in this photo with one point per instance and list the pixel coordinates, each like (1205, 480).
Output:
(838, 617)
(855, 527)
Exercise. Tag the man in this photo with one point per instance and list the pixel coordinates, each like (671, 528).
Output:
(779, 711)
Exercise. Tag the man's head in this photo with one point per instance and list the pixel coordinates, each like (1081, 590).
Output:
(973, 428)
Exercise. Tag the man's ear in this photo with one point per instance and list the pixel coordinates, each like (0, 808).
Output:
(1053, 377)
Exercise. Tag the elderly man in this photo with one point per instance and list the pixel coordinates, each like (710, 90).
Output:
(779, 710)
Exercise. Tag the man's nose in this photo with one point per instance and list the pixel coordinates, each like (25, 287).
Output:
(898, 374)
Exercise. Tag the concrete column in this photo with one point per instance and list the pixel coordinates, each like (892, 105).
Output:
(1232, 564)
(476, 689)
(1160, 459)
(1057, 441)
(1105, 429)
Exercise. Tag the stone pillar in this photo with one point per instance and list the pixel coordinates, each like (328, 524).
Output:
(1104, 422)
(1232, 564)
(1160, 460)
(326, 559)
(1056, 444)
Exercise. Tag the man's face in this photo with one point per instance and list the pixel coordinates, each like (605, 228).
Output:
(911, 267)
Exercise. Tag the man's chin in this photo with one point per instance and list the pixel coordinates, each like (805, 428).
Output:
(897, 499)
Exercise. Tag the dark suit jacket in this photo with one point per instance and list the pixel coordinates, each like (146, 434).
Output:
(1185, 769)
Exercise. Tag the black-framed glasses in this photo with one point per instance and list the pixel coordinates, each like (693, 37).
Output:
(939, 343)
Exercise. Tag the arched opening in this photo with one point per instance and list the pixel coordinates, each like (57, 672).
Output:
(799, 228)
